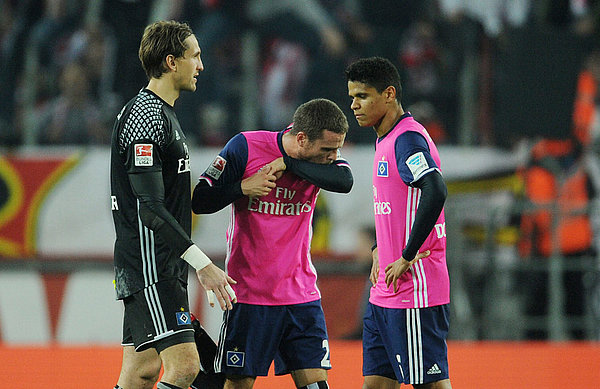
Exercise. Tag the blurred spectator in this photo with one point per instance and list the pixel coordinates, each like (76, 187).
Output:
(65, 32)
(426, 113)
(587, 17)
(321, 225)
(388, 20)
(95, 47)
(127, 20)
(301, 21)
(49, 24)
(586, 114)
(283, 75)
(326, 66)
(420, 59)
(579, 16)
(73, 117)
(219, 25)
(494, 15)
(16, 19)
(49, 42)
(305, 46)
(427, 94)
(556, 221)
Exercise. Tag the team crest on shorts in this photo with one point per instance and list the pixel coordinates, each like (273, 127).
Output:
(216, 167)
(143, 154)
(183, 318)
(235, 358)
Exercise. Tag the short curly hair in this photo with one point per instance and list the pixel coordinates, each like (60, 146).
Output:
(317, 115)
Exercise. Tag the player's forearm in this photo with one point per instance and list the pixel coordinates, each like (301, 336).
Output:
(149, 190)
(335, 177)
(433, 196)
(169, 231)
(210, 199)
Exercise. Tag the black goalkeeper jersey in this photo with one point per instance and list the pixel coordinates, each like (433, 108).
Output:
(150, 194)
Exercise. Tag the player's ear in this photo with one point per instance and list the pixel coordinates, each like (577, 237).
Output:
(170, 62)
(390, 93)
(301, 138)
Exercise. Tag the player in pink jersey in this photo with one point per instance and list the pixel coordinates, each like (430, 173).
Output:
(406, 321)
(272, 180)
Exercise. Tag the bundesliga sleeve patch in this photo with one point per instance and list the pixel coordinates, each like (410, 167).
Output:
(417, 164)
(216, 167)
(143, 154)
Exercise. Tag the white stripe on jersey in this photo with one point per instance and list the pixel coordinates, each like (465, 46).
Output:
(415, 345)
(420, 271)
(417, 270)
(407, 227)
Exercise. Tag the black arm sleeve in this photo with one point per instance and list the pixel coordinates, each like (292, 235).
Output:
(335, 177)
(148, 188)
(433, 195)
(210, 199)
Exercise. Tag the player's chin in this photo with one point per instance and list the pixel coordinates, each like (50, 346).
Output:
(363, 121)
(191, 87)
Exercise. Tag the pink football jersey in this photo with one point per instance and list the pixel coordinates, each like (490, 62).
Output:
(426, 283)
(268, 239)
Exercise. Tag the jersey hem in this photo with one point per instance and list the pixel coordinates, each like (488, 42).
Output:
(295, 302)
(405, 306)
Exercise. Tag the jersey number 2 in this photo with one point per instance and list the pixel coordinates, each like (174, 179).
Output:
(325, 362)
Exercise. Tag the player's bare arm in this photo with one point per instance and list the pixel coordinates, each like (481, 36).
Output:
(260, 183)
(374, 267)
(277, 166)
(217, 283)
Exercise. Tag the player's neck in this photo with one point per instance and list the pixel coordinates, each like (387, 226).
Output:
(290, 146)
(163, 88)
(388, 120)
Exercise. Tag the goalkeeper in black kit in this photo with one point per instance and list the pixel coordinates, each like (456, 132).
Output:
(151, 207)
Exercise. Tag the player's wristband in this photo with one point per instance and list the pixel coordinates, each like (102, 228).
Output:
(196, 258)
(373, 247)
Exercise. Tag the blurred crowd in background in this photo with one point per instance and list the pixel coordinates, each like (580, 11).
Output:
(68, 66)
